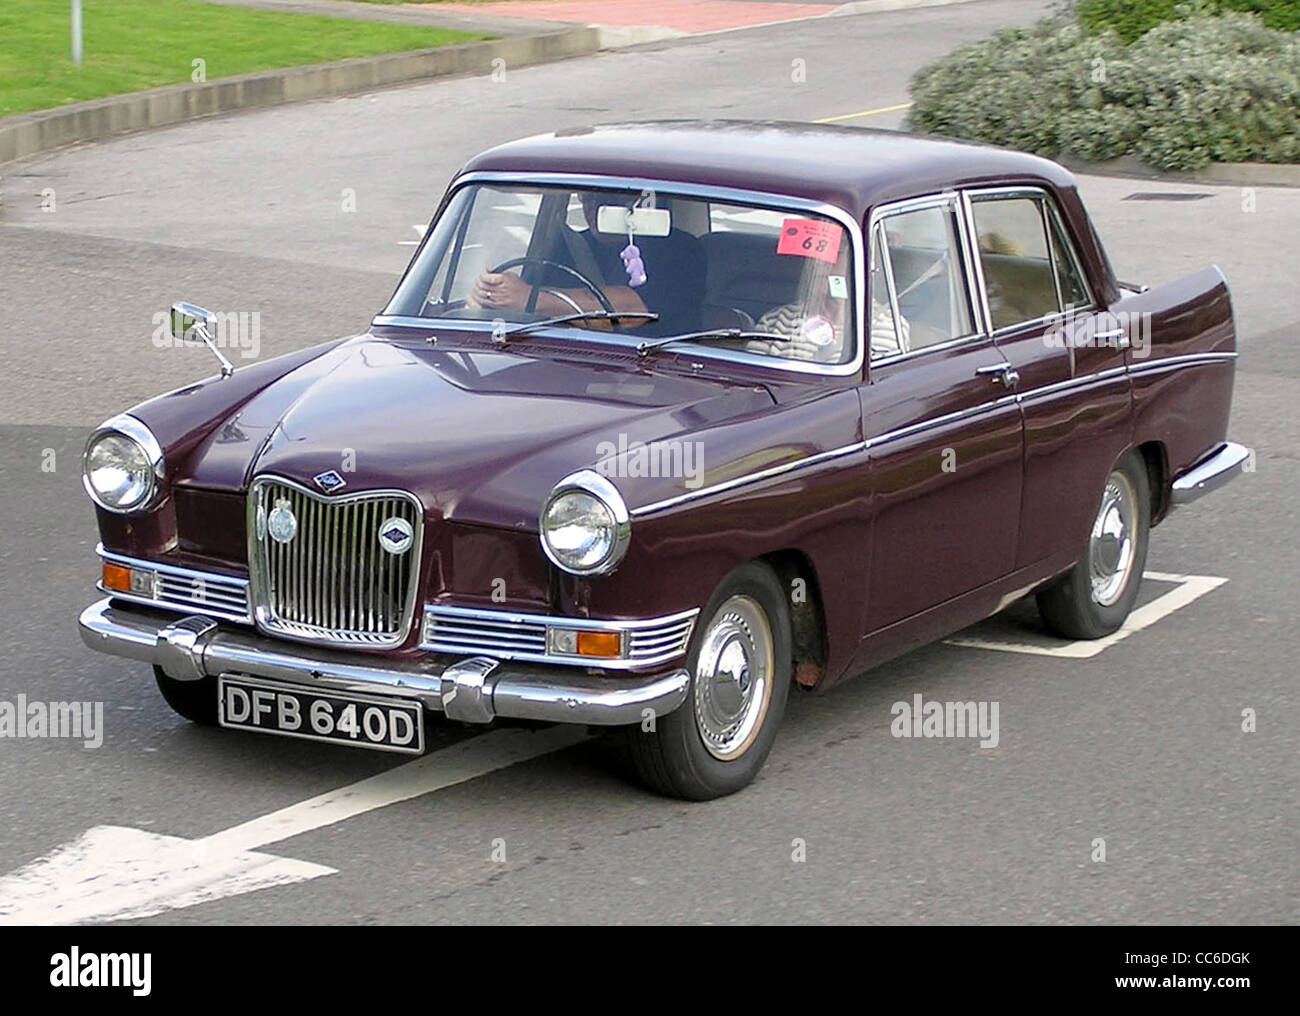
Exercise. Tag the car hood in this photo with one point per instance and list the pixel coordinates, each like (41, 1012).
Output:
(479, 436)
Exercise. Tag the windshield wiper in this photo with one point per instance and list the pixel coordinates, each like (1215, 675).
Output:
(590, 315)
(709, 333)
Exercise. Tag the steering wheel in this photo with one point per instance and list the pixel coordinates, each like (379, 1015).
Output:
(591, 287)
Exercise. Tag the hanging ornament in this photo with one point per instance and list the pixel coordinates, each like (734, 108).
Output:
(631, 255)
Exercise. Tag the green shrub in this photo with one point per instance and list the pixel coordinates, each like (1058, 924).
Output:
(1188, 92)
(1130, 18)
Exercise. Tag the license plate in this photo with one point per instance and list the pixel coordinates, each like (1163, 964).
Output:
(359, 721)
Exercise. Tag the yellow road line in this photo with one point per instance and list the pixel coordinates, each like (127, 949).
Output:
(865, 112)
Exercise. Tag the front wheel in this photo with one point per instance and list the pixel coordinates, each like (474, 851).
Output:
(1095, 597)
(195, 700)
(740, 664)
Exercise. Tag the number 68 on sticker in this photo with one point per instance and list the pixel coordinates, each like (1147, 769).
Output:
(810, 238)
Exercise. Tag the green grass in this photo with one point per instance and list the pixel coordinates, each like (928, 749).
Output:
(136, 44)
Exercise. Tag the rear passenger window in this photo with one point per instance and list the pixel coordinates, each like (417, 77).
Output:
(924, 267)
(1029, 270)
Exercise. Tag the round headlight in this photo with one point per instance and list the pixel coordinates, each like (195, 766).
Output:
(585, 526)
(122, 465)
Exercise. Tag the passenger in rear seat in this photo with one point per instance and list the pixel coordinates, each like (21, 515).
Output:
(817, 327)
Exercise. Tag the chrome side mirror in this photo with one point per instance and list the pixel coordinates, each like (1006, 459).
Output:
(186, 317)
(189, 319)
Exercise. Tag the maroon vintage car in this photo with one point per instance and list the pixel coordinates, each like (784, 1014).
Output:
(661, 420)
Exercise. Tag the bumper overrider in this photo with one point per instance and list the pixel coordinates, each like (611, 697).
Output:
(1213, 471)
(471, 689)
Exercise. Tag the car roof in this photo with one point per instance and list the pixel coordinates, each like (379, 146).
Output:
(854, 168)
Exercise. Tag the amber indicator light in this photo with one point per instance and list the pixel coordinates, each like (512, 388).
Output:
(598, 643)
(117, 577)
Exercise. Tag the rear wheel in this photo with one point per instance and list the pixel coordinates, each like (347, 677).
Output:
(1094, 597)
(717, 741)
(195, 700)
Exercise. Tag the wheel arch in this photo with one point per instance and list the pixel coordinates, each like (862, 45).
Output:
(798, 576)
(1156, 457)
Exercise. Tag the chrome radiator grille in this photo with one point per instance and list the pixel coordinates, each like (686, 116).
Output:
(319, 569)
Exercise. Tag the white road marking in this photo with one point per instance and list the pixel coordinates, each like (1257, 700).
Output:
(1190, 588)
(111, 873)
(419, 228)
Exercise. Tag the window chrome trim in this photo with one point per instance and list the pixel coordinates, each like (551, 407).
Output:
(953, 199)
(134, 429)
(876, 239)
(1048, 204)
(885, 361)
(674, 630)
(209, 579)
(776, 202)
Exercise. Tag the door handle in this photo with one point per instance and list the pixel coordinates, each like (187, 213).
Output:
(1118, 335)
(1003, 372)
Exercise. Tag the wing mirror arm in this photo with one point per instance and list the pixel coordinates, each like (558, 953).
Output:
(189, 319)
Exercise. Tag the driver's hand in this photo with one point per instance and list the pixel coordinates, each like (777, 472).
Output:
(499, 290)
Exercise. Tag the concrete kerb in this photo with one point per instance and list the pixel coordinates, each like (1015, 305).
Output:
(1232, 174)
(33, 133)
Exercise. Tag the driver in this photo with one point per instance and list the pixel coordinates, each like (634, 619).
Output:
(673, 265)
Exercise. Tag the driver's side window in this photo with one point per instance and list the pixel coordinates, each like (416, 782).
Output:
(924, 267)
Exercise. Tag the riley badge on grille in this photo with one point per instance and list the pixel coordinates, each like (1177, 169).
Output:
(396, 535)
(330, 481)
(282, 523)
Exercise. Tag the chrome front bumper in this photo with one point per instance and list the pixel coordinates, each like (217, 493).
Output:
(1210, 473)
(477, 689)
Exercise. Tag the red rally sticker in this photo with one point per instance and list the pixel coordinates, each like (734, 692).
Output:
(810, 238)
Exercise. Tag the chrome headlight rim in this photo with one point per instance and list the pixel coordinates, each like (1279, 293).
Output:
(598, 486)
(133, 430)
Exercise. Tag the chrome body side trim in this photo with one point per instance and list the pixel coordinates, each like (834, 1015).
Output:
(834, 453)
(1210, 473)
(1168, 363)
(748, 478)
(1082, 381)
(673, 188)
(515, 691)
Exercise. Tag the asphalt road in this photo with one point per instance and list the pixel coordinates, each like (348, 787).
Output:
(1141, 745)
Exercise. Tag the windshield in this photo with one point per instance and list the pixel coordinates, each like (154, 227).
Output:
(514, 254)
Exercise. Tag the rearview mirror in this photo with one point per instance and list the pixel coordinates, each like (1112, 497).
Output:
(638, 221)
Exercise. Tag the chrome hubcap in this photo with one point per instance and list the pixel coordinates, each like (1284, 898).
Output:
(1112, 547)
(733, 678)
